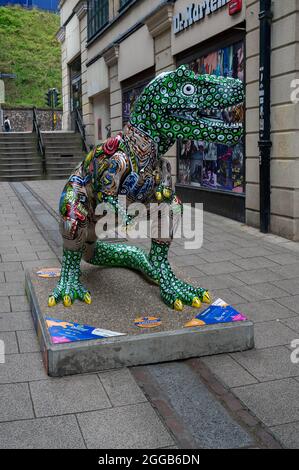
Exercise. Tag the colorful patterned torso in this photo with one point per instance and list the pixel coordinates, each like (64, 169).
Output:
(124, 165)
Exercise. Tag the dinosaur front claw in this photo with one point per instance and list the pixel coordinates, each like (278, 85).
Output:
(51, 301)
(196, 302)
(67, 301)
(206, 298)
(87, 298)
(178, 305)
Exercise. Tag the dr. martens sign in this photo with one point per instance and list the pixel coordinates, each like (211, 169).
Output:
(196, 12)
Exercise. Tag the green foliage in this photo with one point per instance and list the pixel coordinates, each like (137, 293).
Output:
(29, 48)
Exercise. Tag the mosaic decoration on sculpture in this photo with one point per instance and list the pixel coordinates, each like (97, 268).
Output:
(175, 105)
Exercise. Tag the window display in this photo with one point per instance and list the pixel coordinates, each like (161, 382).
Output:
(210, 165)
(129, 98)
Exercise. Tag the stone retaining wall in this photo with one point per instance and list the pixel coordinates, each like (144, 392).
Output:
(21, 118)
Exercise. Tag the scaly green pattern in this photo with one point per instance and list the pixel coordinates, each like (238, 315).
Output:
(155, 266)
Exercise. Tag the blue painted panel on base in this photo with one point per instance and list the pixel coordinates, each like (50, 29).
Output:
(61, 331)
(220, 312)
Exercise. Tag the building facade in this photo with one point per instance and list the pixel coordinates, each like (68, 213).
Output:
(112, 48)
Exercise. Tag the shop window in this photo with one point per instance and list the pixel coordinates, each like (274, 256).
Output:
(98, 16)
(130, 95)
(209, 165)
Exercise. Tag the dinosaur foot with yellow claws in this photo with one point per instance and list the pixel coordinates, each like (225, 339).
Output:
(176, 294)
(69, 287)
(68, 296)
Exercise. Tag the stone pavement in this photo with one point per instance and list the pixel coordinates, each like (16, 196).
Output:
(258, 274)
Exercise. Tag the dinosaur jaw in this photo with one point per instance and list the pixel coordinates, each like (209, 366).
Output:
(230, 118)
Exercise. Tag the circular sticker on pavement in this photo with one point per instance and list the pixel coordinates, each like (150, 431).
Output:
(147, 322)
(49, 273)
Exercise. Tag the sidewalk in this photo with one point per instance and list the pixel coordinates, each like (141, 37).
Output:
(256, 273)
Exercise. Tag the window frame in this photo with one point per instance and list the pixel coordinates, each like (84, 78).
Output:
(97, 17)
(123, 4)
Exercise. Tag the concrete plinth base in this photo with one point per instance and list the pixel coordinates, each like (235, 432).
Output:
(119, 296)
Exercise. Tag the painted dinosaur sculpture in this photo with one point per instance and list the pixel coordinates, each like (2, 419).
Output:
(175, 105)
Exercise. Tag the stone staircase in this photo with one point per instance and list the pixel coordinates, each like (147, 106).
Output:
(63, 153)
(19, 159)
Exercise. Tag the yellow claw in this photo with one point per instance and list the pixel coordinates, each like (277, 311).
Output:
(196, 302)
(159, 196)
(178, 305)
(167, 193)
(206, 298)
(67, 301)
(87, 298)
(51, 301)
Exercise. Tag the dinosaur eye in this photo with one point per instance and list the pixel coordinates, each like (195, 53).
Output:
(189, 89)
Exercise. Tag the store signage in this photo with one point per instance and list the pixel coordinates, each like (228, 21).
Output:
(235, 6)
(196, 12)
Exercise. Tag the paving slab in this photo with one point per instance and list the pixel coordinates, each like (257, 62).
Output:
(291, 286)
(228, 371)
(19, 303)
(68, 395)
(273, 333)
(15, 402)
(248, 264)
(265, 310)
(274, 403)
(10, 342)
(264, 291)
(15, 276)
(252, 251)
(15, 321)
(292, 323)
(217, 282)
(224, 267)
(258, 276)
(229, 295)
(115, 309)
(288, 435)
(22, 368)
(121, 387)
(11, 288)
(291, 302)
(10, 266)
(129, 427)
(288, 272)
(4, 304)
(59, 432)
(284, 259)
(28, 341)
(268, 364)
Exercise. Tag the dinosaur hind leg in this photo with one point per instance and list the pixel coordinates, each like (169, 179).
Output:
(120, 255)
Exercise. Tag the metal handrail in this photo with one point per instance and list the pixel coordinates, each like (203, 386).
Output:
(80, 127)
(40, 143)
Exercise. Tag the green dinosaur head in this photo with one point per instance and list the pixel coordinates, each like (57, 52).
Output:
(183, 105)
